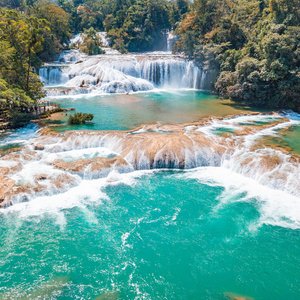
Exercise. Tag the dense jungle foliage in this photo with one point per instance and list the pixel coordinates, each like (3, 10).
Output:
(29, 34)
(33, 31)
(254, 45)
(131, 25)
(21, 39)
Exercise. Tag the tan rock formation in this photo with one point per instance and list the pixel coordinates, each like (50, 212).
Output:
(6, 186)
(93, 165)
(149, 146)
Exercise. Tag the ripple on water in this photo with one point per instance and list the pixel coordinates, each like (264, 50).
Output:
(152, 230)
(189, 234)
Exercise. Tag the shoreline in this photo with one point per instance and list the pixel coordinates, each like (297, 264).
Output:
(37, 117)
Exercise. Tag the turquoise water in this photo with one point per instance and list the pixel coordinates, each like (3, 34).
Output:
(17, 137)
(121, 112)
(291, 137)
(162, 237)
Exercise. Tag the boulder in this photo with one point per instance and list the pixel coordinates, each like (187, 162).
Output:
(39, 147)
(6, 186)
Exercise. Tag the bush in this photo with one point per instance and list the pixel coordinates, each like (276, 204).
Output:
(80, 118)
(91, 43)
(20, 119)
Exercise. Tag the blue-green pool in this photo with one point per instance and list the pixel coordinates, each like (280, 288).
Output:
(163, 236)
(122, 112)
(207, 233)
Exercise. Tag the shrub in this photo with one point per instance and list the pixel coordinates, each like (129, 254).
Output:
(91, 43)
(80, 118)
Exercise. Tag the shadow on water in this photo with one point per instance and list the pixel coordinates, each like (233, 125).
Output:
(50, 289)
(245, 107)
(109, 296)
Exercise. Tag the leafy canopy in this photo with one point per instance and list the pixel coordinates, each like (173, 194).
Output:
(253, 44)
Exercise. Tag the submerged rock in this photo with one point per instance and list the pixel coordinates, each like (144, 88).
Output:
(39, 147)
(232, 296)
(50, 289)
(109, 296)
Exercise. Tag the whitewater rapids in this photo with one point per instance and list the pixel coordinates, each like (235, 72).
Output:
(54, 169)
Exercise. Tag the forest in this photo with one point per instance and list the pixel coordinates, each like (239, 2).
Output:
(35, 31)
(252, 45)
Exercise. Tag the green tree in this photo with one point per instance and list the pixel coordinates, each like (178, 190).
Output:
(23, 37)
(254, 46)
(141, 26)
(91, 42)
(58, 21)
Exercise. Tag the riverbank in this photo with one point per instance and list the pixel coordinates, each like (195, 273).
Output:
(40, 112)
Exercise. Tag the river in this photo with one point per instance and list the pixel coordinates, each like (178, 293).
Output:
(171, 193)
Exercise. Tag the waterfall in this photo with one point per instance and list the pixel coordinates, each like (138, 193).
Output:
(70, 56)
(52, 75)
(63, 160)
(77, 73)
(104, 39)
(122, 73)
(171, 72)
(171, 40)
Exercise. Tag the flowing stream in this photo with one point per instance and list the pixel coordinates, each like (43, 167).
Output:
(170, 194)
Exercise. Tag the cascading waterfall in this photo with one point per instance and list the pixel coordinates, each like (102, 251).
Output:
(77, 73)
(122, 73)
(52, 75)
(110, 206)
(171, 40)
(67, 195)
(63, 160)
(171, 72)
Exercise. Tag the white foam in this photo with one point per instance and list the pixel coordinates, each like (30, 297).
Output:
(87, 191)
(252, 119)
(7, 163)
(82, 195)
(276, 207)
(19, 136)
(79, 154)
(31, 169)
(103, 144)
(176, 213)
(237, 122)
(124, 239)
(111, 73)
(241, 171)
(272, 131)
